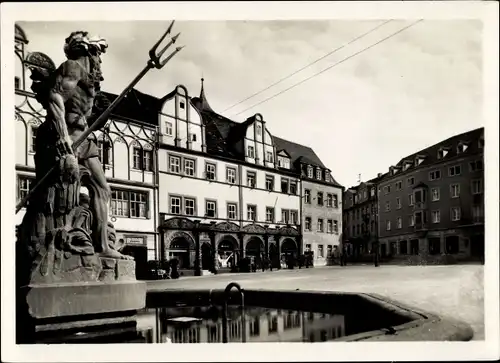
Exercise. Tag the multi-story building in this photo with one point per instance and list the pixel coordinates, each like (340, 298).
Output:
(432, 202)
(191, 184)
(127, 152)
(320, 200)
(360, 214)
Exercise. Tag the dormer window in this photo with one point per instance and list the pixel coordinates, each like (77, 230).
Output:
(418, 160)
(406, 165)
(327, 176)
(462, 147)
(393, 170)
(318, 174)
(442, 152)
(310, 172)
(258, 130)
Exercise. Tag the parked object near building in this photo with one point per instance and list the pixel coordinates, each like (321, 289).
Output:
(432, 203)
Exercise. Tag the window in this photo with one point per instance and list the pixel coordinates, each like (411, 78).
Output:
(255, 327)
(455, 190)
(321, 252)
(410, 199)
(320, 198)
(399, 223)
(189, 167)
(420, 196)
(293, 188)
(231, 175)
(387, 206)
(272, 324)
(398, 203)
(454, 170)
(414, 246)
(211, 208)
(251, 152)
(335, 201)
(269, 156)
(269, 182)
(436, 216)
(329, 200)
(189, 207)
(231, 210)
(175, 164)
(192, 137)
(307, 196)
(284, 216)
(175, 205)
(435, 175)
(452, 244)
(411, 220)
(329, 226)
(480, 143)
(320, 225)
(455, 213)
(435, 195)
(269, 214)
(284, 185)
(477, 213)
(410, 181)
(399, 185)
(318, 174)
(251, 212)
(34, 130)
(251, 176)
(182, 105)
(335, 226)
(307, 226)
(387, 189)
(387, 225)
(293, 217)
(168, 128)
(476, 165)
(23, 186)
(477, 186)
(104, 150)
(143, 159)
(210, 171)
(129, 204)
(17, 82)
(309, 172)
(259, 130)
(372, 192)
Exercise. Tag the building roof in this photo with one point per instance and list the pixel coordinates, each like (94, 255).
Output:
(137, 106)
(430, 154)
(225, 136)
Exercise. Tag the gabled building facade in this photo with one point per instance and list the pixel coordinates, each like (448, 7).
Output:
(432, 202)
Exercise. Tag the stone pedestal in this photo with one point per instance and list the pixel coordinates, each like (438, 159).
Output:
(65, 312)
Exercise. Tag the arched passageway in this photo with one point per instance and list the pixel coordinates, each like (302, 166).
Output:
(289, 247)
(227, 252)
(254, 247)
(181, 249)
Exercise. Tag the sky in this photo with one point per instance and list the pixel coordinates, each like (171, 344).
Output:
(361, 116)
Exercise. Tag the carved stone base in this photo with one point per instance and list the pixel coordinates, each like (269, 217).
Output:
(75, 268)
(59, 311)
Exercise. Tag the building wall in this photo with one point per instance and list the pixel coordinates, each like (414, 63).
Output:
(465, 201)
(316, 238)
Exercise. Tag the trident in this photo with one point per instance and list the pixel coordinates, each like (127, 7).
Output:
(153, 62)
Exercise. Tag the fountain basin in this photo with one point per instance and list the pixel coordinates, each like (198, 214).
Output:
(336, 316)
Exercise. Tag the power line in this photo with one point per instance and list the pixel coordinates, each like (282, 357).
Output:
(310, 64)
(330, 67)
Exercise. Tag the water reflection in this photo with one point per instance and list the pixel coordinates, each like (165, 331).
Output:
(204, 325)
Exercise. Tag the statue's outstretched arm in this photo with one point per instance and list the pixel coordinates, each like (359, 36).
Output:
(67, 78)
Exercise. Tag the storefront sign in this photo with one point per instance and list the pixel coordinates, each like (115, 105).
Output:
(135, 241)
